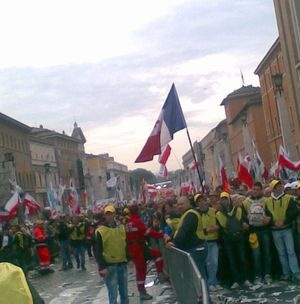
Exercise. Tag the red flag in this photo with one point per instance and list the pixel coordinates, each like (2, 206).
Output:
(224, 178)
(243, 173)
(284, 161)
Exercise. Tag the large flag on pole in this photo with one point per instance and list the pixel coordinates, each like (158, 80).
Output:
(170, 120)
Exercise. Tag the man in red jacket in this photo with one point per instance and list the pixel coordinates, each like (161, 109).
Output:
(136, 233)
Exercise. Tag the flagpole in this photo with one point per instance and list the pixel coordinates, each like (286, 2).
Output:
(190, 141)
(195, 160)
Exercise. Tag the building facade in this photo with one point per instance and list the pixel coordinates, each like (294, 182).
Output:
(44, 167)
(246, 123)
(288, 22)
(15, 157)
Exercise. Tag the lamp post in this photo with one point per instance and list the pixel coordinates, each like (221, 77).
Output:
(285, 126)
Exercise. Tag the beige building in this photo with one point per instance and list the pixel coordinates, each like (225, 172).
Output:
(246, 123)
(103, 168)
(44, 167)
(288, 21)
(68, 151)
(15, 157)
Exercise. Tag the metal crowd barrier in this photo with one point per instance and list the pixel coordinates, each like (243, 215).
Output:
(189, 285)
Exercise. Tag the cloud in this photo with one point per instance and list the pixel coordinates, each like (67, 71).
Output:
(199, 45)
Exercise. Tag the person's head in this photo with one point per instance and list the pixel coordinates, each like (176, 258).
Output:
(75, 220)
(110, 213)
(170, 205)
(297, 189)
(288, 188)
(183, 204)
(224, 198)
(257, 189)
(15, 228)
(135, 209)
(201, 201)
(276, 187)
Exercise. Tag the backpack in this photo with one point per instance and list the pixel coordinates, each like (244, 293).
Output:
(234, 228)
(256, 214)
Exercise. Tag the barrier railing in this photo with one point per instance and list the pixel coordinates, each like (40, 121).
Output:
(189, 285)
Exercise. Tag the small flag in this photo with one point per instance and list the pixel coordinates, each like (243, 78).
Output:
(243, 173)
(284, 161)
(223, 174)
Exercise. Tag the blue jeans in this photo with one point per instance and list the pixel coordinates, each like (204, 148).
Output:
(262, 254)
(284, 243)
(199, 255)
(117, 278)
(212, 262)
(65, 253)
(79, 252)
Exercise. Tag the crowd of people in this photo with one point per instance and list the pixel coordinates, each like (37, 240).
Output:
(241, 238)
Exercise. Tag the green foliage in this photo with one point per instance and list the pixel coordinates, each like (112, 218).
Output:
(137, 175)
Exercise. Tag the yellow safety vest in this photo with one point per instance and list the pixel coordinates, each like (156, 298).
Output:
(278, 207)
(183, 216)
(13, 285)
(173, 223)
(78, 233)
(222, 219)
(208, 219)
(114, 243)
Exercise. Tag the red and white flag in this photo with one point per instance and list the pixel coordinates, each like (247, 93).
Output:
(223, 174)
(13, 204)
(242, 172)
(31, 204)
(185, 188)
(163, 158)
(284, 161)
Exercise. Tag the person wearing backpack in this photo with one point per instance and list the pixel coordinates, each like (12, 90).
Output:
(230, 221)
(259, 234)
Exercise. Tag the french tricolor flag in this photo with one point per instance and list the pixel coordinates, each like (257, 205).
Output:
(170, 120)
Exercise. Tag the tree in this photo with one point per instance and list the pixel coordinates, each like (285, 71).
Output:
(136, 177)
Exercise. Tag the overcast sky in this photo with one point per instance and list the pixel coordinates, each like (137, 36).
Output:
(109, 65)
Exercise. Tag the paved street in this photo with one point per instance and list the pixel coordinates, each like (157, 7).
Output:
(86, 287)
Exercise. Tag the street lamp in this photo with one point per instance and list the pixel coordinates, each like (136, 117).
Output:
(284, 118)
(277, 81)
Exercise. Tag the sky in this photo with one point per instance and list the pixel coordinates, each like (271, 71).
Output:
(109, 65)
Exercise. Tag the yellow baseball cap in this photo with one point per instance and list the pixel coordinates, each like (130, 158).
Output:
(224, 194)
(196, 196)
(273, 183)
(109, 208)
